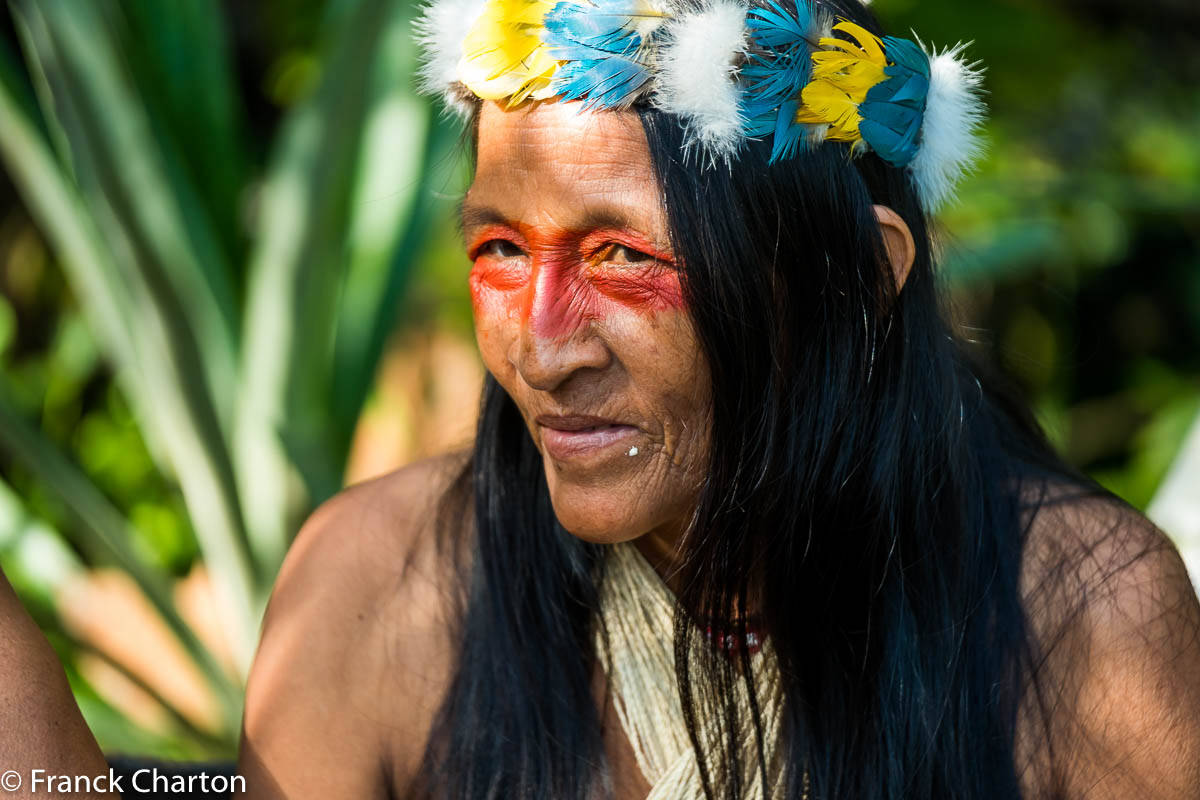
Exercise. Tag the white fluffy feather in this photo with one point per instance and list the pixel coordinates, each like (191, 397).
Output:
(440, 31)
(695, 75)
(950, 143)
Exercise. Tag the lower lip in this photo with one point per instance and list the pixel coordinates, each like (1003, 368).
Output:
(567, 445)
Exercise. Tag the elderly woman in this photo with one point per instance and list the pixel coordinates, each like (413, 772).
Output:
(743, 518)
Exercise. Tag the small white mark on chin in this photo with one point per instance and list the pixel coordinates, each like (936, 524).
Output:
(633, 451)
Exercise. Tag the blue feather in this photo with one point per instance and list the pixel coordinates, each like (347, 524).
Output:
(777, 69)
(773, 27)
(602, 49)
(601, 82)
(894, 109)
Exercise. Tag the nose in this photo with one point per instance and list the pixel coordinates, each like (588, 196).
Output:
(558, 337)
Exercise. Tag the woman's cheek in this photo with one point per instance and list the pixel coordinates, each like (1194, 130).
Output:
(646, 291)
(495, 299)
(497, 289)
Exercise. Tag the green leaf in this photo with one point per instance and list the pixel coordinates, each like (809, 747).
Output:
(106, 537)
(148, 213)
(296, 271)
(393, 210)
(178, 54)
(56, 205)
(35, 557)
(176, 358)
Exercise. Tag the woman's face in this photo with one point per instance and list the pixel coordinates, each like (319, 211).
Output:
(580, 317)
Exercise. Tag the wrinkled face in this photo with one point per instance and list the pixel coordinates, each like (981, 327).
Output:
(580, 317)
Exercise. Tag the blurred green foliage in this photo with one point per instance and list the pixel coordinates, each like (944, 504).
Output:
(200, 278)
(1074, 254)
(265, 175)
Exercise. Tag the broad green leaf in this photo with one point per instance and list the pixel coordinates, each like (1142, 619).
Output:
(296, 271)
(178, 54)
(107, 539)
(167, 345)
(34, 555)
(393, 209)
(127, 179)
(57, 207)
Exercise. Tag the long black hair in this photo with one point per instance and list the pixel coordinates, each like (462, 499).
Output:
(866, 492)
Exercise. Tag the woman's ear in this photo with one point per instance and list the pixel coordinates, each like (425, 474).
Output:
(898, 240)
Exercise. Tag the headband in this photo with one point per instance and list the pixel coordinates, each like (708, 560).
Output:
(727, 71)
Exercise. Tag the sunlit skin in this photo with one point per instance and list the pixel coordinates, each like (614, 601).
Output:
(579, 312)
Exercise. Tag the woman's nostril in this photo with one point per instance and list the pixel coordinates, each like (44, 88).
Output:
(546, 362)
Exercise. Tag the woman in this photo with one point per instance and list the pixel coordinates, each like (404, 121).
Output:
(743, 517)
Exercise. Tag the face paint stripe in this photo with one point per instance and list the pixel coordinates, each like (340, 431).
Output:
(559, 284)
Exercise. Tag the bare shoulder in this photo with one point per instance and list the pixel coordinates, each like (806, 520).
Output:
(355, 541)
(1117, 624)
(355, 649)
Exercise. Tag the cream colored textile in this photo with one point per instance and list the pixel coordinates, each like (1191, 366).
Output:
(637, 609)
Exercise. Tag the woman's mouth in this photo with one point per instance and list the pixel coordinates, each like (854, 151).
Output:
(568, 438)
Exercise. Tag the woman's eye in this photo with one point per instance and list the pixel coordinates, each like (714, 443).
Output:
(499, 248)
(622, 254)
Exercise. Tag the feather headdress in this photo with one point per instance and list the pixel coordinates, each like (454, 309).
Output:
(729, 71)
(440, 34)
(777, 69)
(600, 47)
(949, 144)
(504, 57)
(696, 68)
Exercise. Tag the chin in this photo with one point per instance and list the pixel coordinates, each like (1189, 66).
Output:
(611, 514)
(597, 516)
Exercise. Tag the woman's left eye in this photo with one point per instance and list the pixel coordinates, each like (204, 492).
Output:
(623, 254)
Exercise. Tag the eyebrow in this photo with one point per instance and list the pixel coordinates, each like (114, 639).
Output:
(476, 216)
(471, 216)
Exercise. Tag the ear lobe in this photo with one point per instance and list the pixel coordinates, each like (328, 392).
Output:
(898, 240)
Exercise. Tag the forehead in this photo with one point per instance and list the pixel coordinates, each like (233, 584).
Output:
(556, 163)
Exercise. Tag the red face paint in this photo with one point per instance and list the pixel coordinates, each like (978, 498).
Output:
(562, 280)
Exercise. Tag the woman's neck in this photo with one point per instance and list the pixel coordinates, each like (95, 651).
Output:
(661, 550)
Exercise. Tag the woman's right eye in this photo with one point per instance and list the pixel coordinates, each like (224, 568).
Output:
(499, 248)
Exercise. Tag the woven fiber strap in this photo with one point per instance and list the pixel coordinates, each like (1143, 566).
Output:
(638, 656)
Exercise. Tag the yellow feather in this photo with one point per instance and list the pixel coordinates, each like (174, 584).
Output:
(503, 53)
(841, 78)
(870, 44)
(825, 103)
